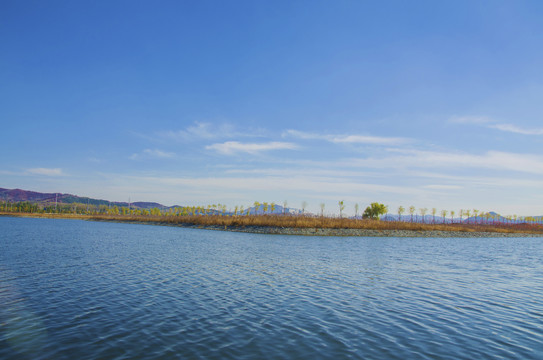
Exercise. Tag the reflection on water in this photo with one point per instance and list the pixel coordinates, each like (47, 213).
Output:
(74, 289)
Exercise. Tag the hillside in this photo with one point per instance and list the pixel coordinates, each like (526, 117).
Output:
(15, 195)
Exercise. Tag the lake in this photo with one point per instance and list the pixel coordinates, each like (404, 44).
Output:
(73, 289)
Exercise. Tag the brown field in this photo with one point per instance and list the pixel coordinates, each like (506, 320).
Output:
(290, 221)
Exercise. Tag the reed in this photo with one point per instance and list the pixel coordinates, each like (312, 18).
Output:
(292, 221)
(322, 222)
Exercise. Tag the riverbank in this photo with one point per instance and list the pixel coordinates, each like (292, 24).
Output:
(358, 232)
(341, 227)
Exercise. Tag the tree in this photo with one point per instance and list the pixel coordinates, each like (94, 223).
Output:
(423, 212)
(304, 205)
(374, 211)
(285, 204)
(341, 208)
(356, 207)
(401, 210)
(434, 211)
(412, 210)
(272, 205)
(443, 215)
(257, 205)
(322, 209)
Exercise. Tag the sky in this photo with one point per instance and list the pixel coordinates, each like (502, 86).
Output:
(407, 103)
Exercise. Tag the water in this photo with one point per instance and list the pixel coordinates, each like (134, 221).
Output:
(87, 290)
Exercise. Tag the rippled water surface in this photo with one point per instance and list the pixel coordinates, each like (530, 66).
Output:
(88, 290)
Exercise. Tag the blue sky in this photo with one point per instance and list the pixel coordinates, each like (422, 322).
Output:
(424, 103)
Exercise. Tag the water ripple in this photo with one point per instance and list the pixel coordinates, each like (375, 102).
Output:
(72, 289)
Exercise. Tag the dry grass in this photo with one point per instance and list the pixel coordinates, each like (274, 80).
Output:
(320, 222)
(288, 221)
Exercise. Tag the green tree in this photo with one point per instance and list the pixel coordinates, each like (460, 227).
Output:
(341, 208)
(374, 211)
(356, 207)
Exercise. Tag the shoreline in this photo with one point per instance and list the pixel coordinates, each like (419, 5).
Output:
(304, 231)
(275, 230)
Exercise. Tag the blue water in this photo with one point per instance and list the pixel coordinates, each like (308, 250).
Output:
(88, 290)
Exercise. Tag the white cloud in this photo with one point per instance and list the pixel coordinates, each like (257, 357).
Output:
(152, 153)
(232, 147)
(46, 171)
(515, 129)
(297, 184)
(207, 131)
(443, 187)
(346, 139)
(94, 160)
(470, 120)
(494, 160)
(493, 124)
(199, 130)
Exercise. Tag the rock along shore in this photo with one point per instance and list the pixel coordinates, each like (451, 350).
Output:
(349, 232)
(275, 230)
(376, 233)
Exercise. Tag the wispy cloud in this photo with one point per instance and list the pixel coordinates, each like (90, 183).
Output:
(306, 184)
(233, 147)
(207, 131)
(346, 139)
(494, 160)
(470, 120)
(94, 160)
(442, 187)
(152, 153)
(493, 124)
(46, 171)
(515, 129)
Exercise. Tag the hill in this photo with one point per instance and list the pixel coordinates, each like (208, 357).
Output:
(16, 195)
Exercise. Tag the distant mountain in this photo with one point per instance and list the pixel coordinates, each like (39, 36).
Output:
(15, 195)
(278, 209)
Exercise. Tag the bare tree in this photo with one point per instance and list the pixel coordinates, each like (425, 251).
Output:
(423, 212)
(412, 210)
(401, 210)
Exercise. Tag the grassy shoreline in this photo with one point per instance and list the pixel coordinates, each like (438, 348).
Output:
(305, 225)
